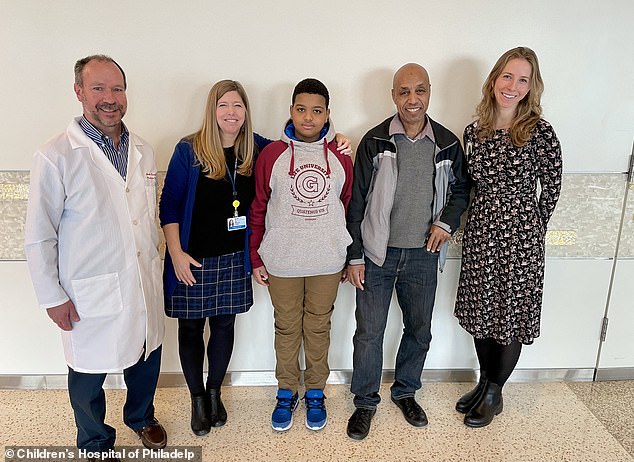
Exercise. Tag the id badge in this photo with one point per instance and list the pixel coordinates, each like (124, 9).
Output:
(236, 223)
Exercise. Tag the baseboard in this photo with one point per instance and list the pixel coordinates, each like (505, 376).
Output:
(340, 377)
(615, 373)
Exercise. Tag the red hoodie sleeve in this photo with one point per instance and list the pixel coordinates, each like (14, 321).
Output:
(257, 214)
(346, 163)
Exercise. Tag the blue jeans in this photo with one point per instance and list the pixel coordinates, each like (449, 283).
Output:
(414, 274)
(89, 402)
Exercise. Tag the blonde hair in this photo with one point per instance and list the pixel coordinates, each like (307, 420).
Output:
(207, 143)
(529, 110)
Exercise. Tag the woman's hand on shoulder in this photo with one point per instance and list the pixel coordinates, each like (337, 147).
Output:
(344, 146)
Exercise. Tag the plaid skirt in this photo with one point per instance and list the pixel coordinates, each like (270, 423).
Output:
(221, 287)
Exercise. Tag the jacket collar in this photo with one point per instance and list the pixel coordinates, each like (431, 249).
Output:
(397, 128)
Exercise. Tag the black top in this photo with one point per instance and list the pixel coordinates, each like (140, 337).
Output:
(209, 236)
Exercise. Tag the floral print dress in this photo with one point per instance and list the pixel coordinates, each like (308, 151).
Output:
(502, 274)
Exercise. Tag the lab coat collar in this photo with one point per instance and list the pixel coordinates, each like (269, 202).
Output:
(79, 140)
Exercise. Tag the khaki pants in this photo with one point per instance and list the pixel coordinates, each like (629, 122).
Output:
(302, 309)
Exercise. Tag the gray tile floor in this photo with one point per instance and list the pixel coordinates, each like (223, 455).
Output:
(612, 403)
(541, 422)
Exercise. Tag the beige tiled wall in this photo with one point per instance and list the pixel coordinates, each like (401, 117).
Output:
(585, 224)
(14, 192)
(587, 218)
(586, 221)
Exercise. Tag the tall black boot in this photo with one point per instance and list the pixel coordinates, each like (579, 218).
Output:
(217, 411)
(489, 405)
(470, 399)
(200, 421)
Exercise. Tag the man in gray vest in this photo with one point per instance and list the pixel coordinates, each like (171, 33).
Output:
(410, 189)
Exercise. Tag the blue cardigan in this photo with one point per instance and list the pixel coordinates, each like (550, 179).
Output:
(177, 203)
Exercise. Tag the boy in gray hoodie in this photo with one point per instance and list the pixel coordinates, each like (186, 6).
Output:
(298, 246)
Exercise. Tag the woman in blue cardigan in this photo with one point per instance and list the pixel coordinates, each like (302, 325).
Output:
(208, 189)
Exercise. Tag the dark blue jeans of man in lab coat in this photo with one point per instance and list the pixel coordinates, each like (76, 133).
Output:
(89, 402)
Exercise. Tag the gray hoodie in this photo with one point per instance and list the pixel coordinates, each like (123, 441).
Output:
(298, 216)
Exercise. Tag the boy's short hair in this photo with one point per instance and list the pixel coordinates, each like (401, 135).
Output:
(313, 87)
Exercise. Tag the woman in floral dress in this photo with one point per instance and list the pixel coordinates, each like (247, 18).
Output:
(509, 148)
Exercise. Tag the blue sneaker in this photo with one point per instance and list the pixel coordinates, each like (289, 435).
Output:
(315, 409)
(282, 418)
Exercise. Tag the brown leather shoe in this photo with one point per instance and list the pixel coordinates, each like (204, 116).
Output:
(153, 436)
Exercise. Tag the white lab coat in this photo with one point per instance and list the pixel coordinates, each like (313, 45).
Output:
(92, 237)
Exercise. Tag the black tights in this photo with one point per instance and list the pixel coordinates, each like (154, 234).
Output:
(191, 350)
(497, 361)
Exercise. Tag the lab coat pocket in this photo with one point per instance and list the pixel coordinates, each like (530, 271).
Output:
(98, 296)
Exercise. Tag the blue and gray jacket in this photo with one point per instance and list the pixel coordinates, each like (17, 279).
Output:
(375, 177)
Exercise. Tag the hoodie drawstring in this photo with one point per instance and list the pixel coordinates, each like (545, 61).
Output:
(326, 156)
(292, 164)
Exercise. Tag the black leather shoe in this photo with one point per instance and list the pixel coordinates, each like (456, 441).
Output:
(359, 423)
(153, 436)
(412, 412)
(217, 411)
(200, 415)
(471, 398)
(489, 405)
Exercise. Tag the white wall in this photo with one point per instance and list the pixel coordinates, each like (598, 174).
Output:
(174, 51)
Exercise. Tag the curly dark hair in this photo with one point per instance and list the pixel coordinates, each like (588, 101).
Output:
(313, 87)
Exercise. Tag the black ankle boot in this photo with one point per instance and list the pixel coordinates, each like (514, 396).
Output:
(200, 421)
(489, 405)
(217, 411)
(471, 398)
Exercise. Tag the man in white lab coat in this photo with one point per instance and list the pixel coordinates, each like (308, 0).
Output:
(91, 243)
